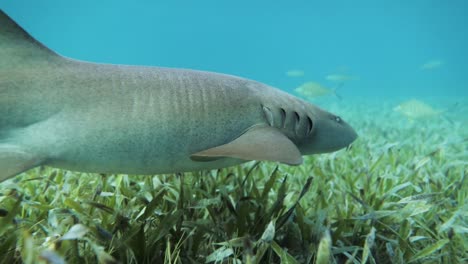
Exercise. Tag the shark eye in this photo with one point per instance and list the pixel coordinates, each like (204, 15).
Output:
(338, 119)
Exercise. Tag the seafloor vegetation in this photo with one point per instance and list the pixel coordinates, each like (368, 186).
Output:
(399, 195)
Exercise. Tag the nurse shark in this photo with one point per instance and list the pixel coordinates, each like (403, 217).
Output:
(105, 118)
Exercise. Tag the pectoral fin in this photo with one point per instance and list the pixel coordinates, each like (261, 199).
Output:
(257, 143)
(14, 160)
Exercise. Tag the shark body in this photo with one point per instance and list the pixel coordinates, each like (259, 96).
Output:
(107, 118)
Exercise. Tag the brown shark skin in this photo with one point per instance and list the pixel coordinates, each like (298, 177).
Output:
(141, 120)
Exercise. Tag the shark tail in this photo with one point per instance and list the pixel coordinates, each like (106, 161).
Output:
(18, 47)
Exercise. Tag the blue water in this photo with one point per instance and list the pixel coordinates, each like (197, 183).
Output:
(383, 42)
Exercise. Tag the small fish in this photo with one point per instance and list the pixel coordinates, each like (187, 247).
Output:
(312, 90)
(295, 73)
(433, 64)
(415, 109)
(341, 78)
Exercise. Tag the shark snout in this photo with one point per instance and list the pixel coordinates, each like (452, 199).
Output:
(350, 135)
(331, 133)
(341, 134)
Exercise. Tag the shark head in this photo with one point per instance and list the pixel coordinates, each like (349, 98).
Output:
(329, 133)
